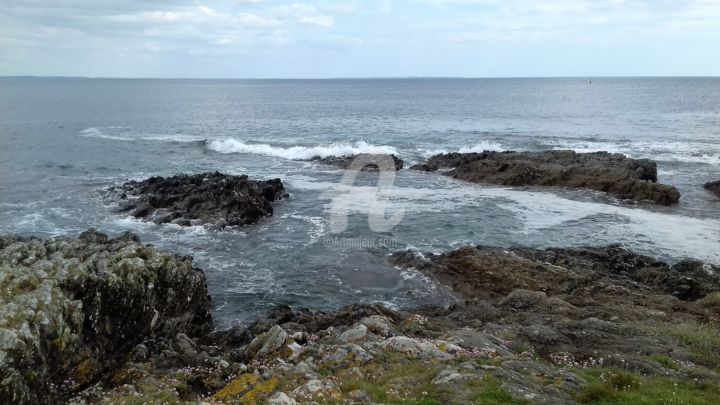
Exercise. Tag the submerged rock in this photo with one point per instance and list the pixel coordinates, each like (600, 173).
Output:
(366, 162)
(212, 199)
(615, 174)
(73, 309)
(713, 187)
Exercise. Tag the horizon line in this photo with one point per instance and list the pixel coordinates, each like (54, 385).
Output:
(353, 77)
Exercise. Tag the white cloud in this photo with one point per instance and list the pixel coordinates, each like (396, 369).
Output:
(305, 14)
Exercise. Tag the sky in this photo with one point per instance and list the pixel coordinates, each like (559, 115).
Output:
(371, 38)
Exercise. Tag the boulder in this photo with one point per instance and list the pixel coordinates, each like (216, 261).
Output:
(614, 174)
(714, 187)
(366, 162)
(211, 199)
(73, 309)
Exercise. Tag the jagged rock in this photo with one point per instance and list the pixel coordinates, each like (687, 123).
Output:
(615, 174)
(366, 162)
(269, 343)
(318, 389)
(714, 187)
(415, 348)
(212, 199)
(380, 325)
(355, 333)
(523, 299)
(73, 309)
(280, 398)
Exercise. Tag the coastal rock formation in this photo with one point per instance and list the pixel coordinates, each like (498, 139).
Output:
(555, 326)
(615, 174)
(588, 302)
(72, 309)
(104, 321)
(714, 187)
(366, 162)
(212, 199)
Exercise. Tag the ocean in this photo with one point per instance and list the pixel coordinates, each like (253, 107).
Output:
(64, 141)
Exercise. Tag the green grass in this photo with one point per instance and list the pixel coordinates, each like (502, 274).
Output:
(412, 378)
(666, 361)
(491, 393)
(617, 387)
(702, 339)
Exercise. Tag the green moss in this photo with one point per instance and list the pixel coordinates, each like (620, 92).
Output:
(395, 379)
(666, 361)
(157, 398)
(616, 387)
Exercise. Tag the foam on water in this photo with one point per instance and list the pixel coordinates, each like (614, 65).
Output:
(673, 151)
(482, 146)
(180, 138)
(96, 133)
(232, 145)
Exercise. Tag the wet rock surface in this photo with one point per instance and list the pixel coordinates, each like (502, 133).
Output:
(714, 187)
(212, 199)
(614, 174)
(74, 308)
(366, 162)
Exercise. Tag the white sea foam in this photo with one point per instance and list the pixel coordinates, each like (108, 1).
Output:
(482, 147)
(477, 148)
(673, 151)
(96, 133)
(232, 145)
(180, 138)
(648, 231)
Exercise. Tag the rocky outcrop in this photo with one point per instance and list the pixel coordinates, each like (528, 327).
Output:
(713, 187)
(614, 174)
(211, 199)
(582, 301)
(366, 162)
(72, 309)
(490, 273)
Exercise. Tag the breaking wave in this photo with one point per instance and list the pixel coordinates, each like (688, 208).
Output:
(231, 145)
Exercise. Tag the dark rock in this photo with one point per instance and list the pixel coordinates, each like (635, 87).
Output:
(614, 174)
(74, 309)
(213, 199)
(713, 187)
(366, 162)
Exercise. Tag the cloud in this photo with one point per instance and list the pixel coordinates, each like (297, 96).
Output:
(53, 36)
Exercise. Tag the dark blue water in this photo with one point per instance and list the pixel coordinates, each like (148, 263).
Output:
(63, 141)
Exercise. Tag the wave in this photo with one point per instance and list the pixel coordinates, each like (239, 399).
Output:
(122, 134)
(179, 138)
(477, 148)
(232, 145)
(93, 132)
(669, 151)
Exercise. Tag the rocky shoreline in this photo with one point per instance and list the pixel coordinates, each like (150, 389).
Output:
(100, 320)
(614, 174)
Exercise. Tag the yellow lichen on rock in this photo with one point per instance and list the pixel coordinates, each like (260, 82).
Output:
(246, 389)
